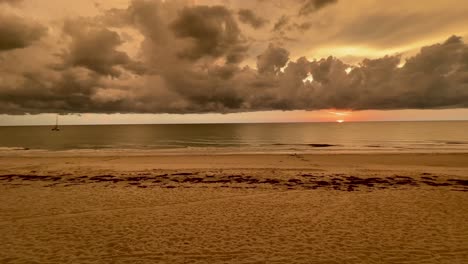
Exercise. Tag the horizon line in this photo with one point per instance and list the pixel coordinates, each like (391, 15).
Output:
(241, 123)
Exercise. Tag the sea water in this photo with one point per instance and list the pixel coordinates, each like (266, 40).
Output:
(450, 136)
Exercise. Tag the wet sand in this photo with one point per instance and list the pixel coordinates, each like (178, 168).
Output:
(328, 208)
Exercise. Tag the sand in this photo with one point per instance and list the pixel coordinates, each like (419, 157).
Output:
(62, 207)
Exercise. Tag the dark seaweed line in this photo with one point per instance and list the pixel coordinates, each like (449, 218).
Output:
(304, 181)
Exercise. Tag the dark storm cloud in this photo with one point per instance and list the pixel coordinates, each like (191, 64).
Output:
(190, 61)
(213, 30)
(65, 92)
(94, 48)
(311, 6)
(17, 32)
(272, 60)
(434, 78)
(247, 16)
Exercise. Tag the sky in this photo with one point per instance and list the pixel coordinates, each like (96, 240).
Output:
(216, 61)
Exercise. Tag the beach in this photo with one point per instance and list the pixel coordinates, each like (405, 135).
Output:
(233, 132)
(107, 207)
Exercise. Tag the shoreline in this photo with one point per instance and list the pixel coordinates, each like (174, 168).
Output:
(25, 152)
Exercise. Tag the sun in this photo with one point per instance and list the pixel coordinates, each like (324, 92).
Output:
(340, 116)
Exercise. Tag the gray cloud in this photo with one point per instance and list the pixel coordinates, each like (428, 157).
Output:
(94, 48)
(435, 78)
(190, 61)
(272, 60)
(303, 26)
(247, 16)
(213, 30)
(311, 6)
(281, 24)
(17, 32)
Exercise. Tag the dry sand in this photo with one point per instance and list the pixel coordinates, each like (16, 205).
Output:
(368, 208)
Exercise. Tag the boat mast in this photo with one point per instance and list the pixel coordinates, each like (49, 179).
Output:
(56, 128)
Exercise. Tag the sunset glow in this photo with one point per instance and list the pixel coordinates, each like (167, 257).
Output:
(341, 113)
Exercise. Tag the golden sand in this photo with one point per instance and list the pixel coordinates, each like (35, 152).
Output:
(381, 208)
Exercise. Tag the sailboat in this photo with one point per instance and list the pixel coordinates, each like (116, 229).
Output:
(56, 128)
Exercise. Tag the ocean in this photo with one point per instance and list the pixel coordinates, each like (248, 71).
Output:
(450, 136)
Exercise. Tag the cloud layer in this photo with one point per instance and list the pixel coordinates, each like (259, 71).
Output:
(174, 57)
(17, 32)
